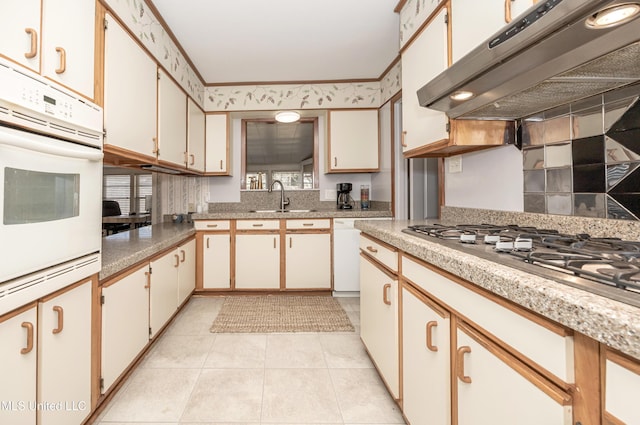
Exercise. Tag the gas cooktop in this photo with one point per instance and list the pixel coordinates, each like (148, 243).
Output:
(609, 267)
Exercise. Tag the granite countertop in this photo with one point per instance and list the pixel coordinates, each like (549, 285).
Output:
(125, 249)
(610, 322)
(320, 213)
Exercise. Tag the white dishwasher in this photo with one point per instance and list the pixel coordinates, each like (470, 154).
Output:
(346, 257)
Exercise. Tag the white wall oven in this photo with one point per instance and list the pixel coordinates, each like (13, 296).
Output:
(50, 187)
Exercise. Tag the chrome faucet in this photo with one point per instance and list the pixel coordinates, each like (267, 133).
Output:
(283, 202)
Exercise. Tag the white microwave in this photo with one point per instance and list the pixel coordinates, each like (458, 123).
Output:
(50, 187)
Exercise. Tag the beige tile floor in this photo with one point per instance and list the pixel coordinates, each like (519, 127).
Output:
(192, 376)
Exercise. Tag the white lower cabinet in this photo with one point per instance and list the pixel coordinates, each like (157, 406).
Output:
(125, 323)
(426, 350)
(379, 320)
(216, 259)
(493, 388)
(257, 261)
(18, 360)
(64, 365)
(301, 273)
(172, 281)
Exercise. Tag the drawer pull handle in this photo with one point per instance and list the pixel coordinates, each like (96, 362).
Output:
(307, 224)
(335, 161)
(63, 60)
(193, 159)
(177, 260)
(385, 294)
(507, 11)
(274, 242)
(148, 285)
(290, 242)
(460, 364)
(208, 243)
(372, 249)
(257, 224)
(221, 164)
(184, 256)
(429, 329)
(60, 312)
(34, 43)
(29, 327)
(212, 226)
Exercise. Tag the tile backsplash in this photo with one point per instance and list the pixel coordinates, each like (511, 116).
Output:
(584, 159)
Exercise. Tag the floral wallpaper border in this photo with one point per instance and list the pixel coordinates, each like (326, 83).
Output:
(412, 15)
(144, 24)
(304, 96)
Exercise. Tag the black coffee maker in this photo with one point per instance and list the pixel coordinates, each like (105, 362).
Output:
(344, 199)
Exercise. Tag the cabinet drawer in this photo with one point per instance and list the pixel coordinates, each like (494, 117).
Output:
(383, 254)
(548, 348)
(308, 224)
(212, 224)
(258, 225)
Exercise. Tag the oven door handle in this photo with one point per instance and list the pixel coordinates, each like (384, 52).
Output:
(10, 139)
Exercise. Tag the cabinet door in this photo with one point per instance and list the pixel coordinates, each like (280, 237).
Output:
(426, 361)
(217, 261)
(622, 386)
(302, 273)
(186, 271)
(130, 93)
(125, 323)
(68, 28)
(195, 137)
(258, 261)
(18, 368)
(172, 120)
(163, 301)
(64, 371)
(379, 321)
(497, 393)
(354, 145)
(424, 59)
(20, 32)
(217, 140)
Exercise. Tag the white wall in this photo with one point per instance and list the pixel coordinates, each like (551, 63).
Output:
(490, 179)
(381, 182)
(227, 188)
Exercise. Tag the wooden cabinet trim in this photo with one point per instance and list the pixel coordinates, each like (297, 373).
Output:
(534, 317)
(587, 406)
(390, 273)
(623, 360)
(71, 287)
(559, 395)
(426, 23)
(419, 294)
(13, 313)
(379, 242)
(609, 419)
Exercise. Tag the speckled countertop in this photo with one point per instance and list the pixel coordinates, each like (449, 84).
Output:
(125, 249)
(320, 213)
(610, 322)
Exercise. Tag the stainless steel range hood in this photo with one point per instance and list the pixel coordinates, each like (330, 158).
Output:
(546, 57)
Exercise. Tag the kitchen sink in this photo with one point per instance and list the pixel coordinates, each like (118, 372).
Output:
(280, 211)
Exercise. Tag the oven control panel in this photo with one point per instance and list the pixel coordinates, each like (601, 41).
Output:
(26, 96)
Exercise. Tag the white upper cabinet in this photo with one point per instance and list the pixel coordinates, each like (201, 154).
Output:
(130, 93)
(172, 120)
(195, 137)
(354, 144)
(474, 21)
(422, 60)
(68, 34)
(20, 32)
(60, 33)
(217, 142)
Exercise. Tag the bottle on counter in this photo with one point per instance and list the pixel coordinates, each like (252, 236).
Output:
(364, 196)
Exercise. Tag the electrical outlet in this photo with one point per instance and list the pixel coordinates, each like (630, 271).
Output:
(330, 194)
(455, 164)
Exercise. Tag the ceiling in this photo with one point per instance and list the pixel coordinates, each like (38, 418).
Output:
(233, 41)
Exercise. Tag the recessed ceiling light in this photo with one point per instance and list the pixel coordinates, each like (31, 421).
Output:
(613, 15)
(461, 95)
(287, 116)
